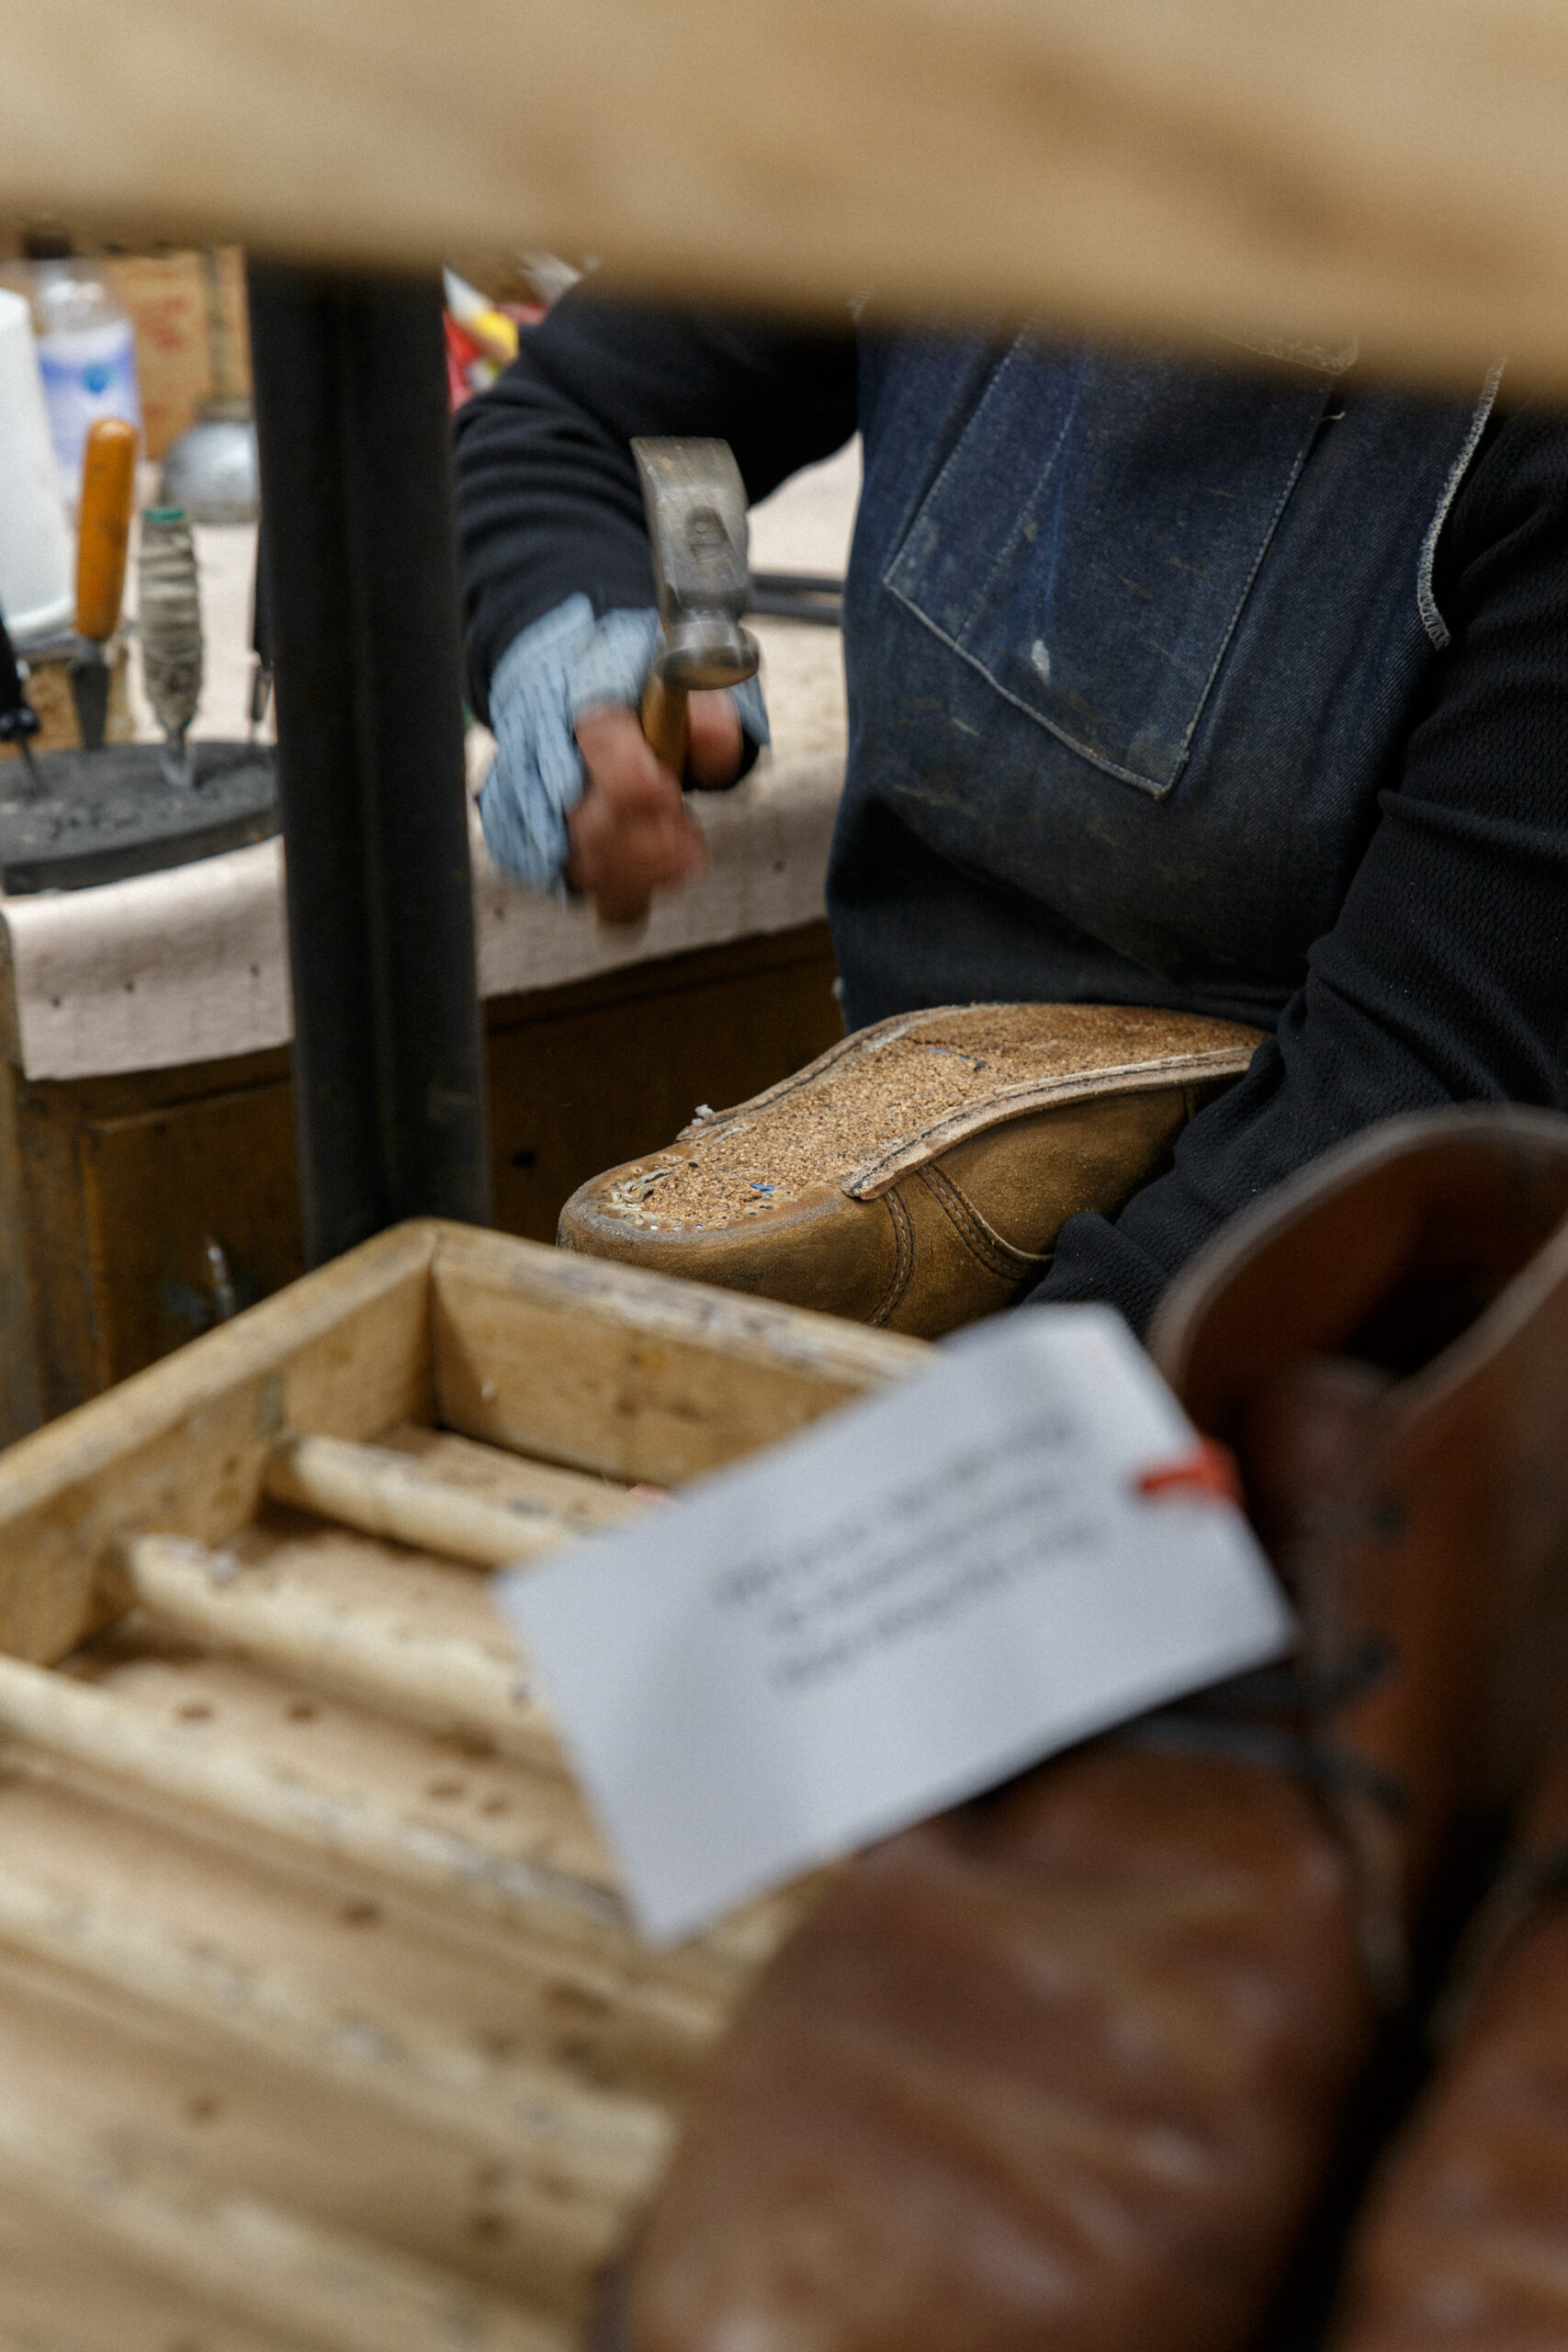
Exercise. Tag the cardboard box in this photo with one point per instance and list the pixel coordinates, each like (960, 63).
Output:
(166, 297)
(231, 364)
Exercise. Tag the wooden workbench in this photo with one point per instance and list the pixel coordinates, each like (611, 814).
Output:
(144, 1096)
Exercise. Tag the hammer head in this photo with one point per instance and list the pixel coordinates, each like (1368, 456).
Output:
(696, 524)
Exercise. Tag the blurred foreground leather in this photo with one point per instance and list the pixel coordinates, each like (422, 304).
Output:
(1073, 2066)
(1464, 2244)
(918, 1174)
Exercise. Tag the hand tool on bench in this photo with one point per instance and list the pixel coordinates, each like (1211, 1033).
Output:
(107, 810)
(695, 503)
(19, 719)
(169, 617)
(109, 496)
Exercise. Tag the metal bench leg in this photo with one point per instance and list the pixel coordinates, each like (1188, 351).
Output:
(389, 1064)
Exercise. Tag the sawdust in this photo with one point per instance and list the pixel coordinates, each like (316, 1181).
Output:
(882, 1095)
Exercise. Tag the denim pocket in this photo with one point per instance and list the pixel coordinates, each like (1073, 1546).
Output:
(1089, 544)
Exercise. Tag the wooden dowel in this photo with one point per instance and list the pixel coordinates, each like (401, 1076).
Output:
(114, 1736)
(606, 2145)
(587, 1502)
(386, 1494)
(446, 1680)
(441, 1681)
(320, 2286)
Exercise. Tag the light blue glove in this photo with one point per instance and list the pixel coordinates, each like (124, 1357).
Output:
(565, 664)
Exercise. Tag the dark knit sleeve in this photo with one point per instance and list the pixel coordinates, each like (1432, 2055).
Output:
(1445, 979)
(548, 499)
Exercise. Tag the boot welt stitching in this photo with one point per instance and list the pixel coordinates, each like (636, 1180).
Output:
(983, 1241)
(1168, 1073)
(857, 1046)
(1203, 1064)
(903, 1232)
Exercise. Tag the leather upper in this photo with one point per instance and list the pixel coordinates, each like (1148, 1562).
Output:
(1069, 2067)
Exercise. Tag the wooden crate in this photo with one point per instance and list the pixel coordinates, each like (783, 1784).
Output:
(322, 2023)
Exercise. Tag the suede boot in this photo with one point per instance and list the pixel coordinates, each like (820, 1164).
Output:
(1069, 2069)
(918, 1174)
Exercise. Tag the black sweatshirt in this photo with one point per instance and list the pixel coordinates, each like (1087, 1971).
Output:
(1444, 978)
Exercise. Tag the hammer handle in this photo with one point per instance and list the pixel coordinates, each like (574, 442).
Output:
(664, 722)
(108, 497)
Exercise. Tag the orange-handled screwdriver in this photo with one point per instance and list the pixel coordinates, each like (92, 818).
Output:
(108, 500)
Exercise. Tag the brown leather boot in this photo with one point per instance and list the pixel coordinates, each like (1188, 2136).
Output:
(1464, 2246)
(918, 1174)
(1071, 2067)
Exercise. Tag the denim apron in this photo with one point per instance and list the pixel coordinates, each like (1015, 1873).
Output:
(1132, 645)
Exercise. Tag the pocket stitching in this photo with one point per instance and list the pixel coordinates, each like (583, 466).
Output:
(1146, 784)
(1096, 758)
(1042, 478)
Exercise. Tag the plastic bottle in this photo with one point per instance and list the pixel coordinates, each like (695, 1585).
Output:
(35, 545)
(86, 352)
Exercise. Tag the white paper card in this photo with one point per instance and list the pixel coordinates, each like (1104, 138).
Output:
(899, 1608)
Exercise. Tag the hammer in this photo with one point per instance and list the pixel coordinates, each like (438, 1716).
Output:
(695, 503)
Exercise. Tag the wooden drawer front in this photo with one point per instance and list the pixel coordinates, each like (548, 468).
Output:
(109, 1188)
(156, 1187)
